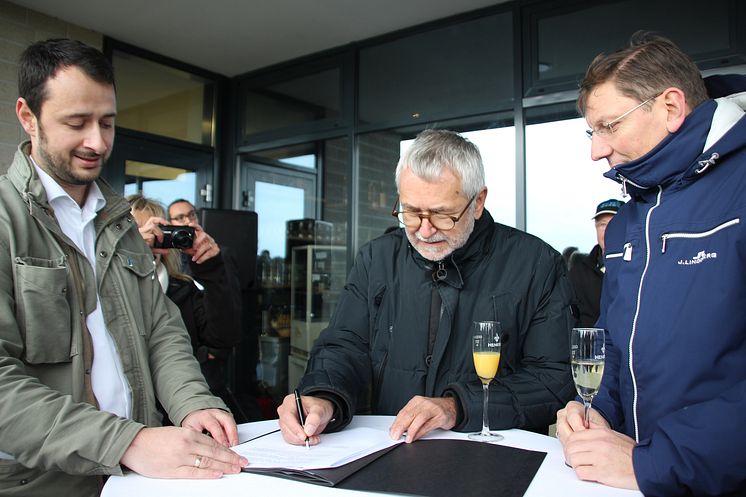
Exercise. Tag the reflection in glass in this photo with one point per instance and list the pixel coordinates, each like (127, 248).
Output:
(303, 155)
(291, 102)
(563, 46)
(452, 71)
(162, 100)
(275, 205)
(158, 182)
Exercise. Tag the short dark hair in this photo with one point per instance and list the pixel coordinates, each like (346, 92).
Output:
(177, 201)
(41, 61)
(650, 64)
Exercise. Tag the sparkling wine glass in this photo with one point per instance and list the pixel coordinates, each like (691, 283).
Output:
(486, 352)
(587, 356)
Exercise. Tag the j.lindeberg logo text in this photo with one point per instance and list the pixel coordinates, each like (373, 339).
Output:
(701, 257)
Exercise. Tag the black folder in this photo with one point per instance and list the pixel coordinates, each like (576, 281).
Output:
(431, 468)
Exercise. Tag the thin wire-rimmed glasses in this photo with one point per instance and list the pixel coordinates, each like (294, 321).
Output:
(606, 129)
(442, 222)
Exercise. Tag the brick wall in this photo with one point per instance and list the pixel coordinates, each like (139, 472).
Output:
(19, 27)
(379, 154)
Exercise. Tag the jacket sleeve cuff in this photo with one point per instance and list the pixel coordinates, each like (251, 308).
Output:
(342, 414)
(210, 264)
(455, 392)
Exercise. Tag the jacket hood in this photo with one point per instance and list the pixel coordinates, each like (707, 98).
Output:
(457, 264)
(708, 134)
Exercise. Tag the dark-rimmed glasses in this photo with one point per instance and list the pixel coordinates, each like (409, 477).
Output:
(606, 129)
(442, 222)
(185, 218)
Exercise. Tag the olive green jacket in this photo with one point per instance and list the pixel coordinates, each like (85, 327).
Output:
(58, 440)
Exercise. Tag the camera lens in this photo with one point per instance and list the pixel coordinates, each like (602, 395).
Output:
(182, 238)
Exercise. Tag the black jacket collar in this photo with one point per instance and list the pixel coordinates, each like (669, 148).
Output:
(452, 269)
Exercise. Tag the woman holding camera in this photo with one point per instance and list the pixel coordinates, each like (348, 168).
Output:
(206, 300)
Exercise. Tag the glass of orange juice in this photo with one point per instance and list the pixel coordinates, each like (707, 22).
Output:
(486, 352)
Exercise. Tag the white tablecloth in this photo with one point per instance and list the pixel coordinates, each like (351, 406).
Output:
(554, 478)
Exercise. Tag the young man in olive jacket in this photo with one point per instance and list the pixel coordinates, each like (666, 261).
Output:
(402, 329)
(88, 341)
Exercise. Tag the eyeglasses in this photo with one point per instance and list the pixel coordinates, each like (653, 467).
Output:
(183, 218)
(442, 222)
(606, 129)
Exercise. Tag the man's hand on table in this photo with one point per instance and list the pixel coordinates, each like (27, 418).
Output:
(422, 415)
(173, 452)
(596, 453)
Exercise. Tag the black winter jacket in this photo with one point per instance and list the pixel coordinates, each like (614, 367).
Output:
(211, 315)
(377, 339)
(587, 278)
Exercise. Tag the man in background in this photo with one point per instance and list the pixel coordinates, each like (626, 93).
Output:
(88, 341)
(587, 270)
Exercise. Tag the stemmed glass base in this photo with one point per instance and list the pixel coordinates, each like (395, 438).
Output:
(485, 435)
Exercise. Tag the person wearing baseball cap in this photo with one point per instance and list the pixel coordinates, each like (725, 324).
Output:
(587, 271)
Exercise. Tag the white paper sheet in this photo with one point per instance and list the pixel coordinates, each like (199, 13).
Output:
(335, 449)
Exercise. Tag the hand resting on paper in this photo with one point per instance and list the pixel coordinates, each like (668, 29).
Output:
(172, 452)
(422, 415)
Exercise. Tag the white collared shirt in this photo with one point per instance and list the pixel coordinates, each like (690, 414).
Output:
(109, 384)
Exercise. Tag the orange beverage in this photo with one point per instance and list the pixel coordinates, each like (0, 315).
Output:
(486, 365)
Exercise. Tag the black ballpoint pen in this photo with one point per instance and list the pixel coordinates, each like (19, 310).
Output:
(301, 416)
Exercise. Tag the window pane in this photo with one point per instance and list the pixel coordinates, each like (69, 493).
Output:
(159, 182)
(497, 147)
(567, 42)
(276, 204)
(303, 155)
(314, 97)
(563, 184)
(162, 100)
(463, 69)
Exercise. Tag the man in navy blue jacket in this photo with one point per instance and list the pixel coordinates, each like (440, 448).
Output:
(669, 416)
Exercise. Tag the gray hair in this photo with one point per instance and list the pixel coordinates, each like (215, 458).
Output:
(436, 149)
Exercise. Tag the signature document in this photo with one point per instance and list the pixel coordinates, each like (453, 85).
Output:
(334, 450)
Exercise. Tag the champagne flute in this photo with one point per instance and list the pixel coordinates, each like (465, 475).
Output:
(587, 359)
(486, 353)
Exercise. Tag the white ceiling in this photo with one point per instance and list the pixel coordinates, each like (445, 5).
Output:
(232, 37)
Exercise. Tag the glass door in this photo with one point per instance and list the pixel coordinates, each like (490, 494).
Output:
(277, 196)
(161, 169)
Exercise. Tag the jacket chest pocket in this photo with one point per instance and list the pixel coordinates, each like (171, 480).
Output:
(694, 239)
(43, 309)
(137, 272)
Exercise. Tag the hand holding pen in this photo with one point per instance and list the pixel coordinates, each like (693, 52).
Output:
(302, 421)
(301, 413)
